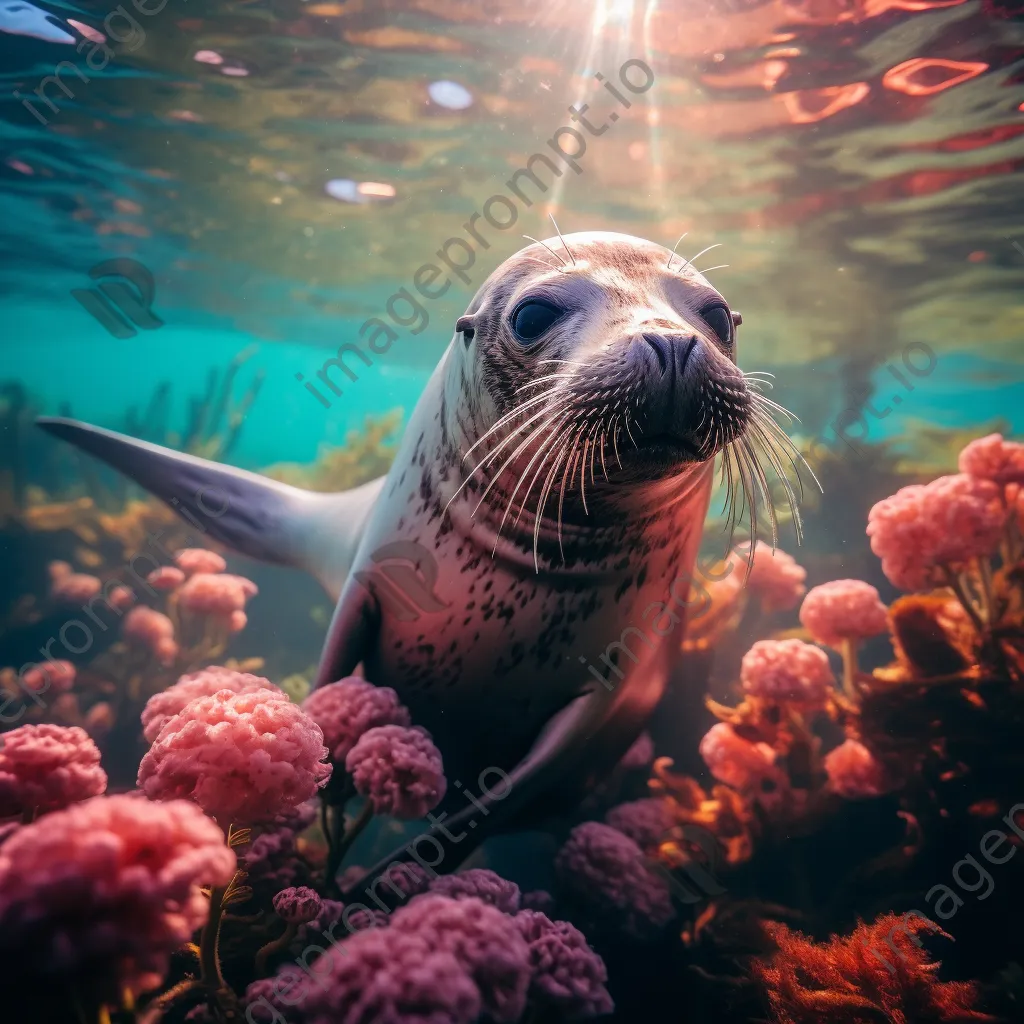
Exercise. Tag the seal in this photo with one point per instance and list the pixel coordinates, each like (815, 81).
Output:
(550, 486)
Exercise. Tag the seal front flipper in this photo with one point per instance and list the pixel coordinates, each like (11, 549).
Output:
(352, 632)
(252, 514)
(502, 801)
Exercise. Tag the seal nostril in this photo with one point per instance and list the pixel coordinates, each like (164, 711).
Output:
(659, 345)
(684, 352)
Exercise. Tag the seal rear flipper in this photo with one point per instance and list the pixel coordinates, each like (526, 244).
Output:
(251, 514)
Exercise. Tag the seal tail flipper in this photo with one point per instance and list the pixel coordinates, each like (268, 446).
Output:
(251, 514)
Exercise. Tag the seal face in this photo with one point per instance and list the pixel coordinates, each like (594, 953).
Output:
(589, 364)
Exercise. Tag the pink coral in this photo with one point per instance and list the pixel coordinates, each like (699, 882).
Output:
(566, 974)
(348, 708)
(58, 676)
(854, 772)
(165, 705)
(398, 769)
(775, 577)
(644, 821)
(57, 570)
(608, 873)
(843, 610)
(735, 761)
(297, 905)
(217, 595)
(243, 757)
(47, 767)
(378, 975)
(922, 530)
(640, 755)
(167, 577)
(152, 630)
(95, 898)
(196, 560)
(483, 940)
(75, 588)
(482, 883)
(992, 458)
(99, 719)
(789, 672)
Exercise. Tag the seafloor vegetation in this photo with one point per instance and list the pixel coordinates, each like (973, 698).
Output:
(819, 840)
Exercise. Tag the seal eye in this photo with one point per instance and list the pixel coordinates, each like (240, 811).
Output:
(719, 319)
(532, 318)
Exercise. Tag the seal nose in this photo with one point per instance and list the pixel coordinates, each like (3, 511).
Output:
(672, 350)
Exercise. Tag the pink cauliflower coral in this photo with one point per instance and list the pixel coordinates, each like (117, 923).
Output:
(243, 757)
(219, 595)
(163, 706)
(992, 458)
(75, 588)
(854, 772)
(195, 560)
(737, 762)
(297, 905)
(775, 577)
(95, 898)
(787, 672)
(644, 821)
(843, 610)
(167, 577)
(480, 883)
(348, 708)
(152, 630)
(608, 873)
(566, 974)
(377, 975)
(922, 530)
(47, 767)
(483, 940)
(58, 676)
(398, 769)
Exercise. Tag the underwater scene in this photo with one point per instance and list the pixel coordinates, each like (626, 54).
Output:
(512, 511)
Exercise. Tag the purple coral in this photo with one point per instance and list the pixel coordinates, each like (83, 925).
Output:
(271, 862)
(567, 974)
(644, 821)
(297, 904)
(607, 872)
(481, 883)
(346, 709)
(640, 755)
(379, 975)
(483, 940)
(398, 770)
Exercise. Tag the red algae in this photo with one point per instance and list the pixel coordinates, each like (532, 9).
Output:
(878, 973)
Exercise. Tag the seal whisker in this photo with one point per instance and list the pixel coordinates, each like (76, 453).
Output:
(537, 259)
(721, 266)
(542, 502)
(615, 441)
(668, 264)
(541, 380)
(551, 440)
(769, 452)
(508, 462)
(512, 497)
(522, 407)
(559, 233)
(763, 486)
(782, 410)
(698, 256)
(558, 256)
